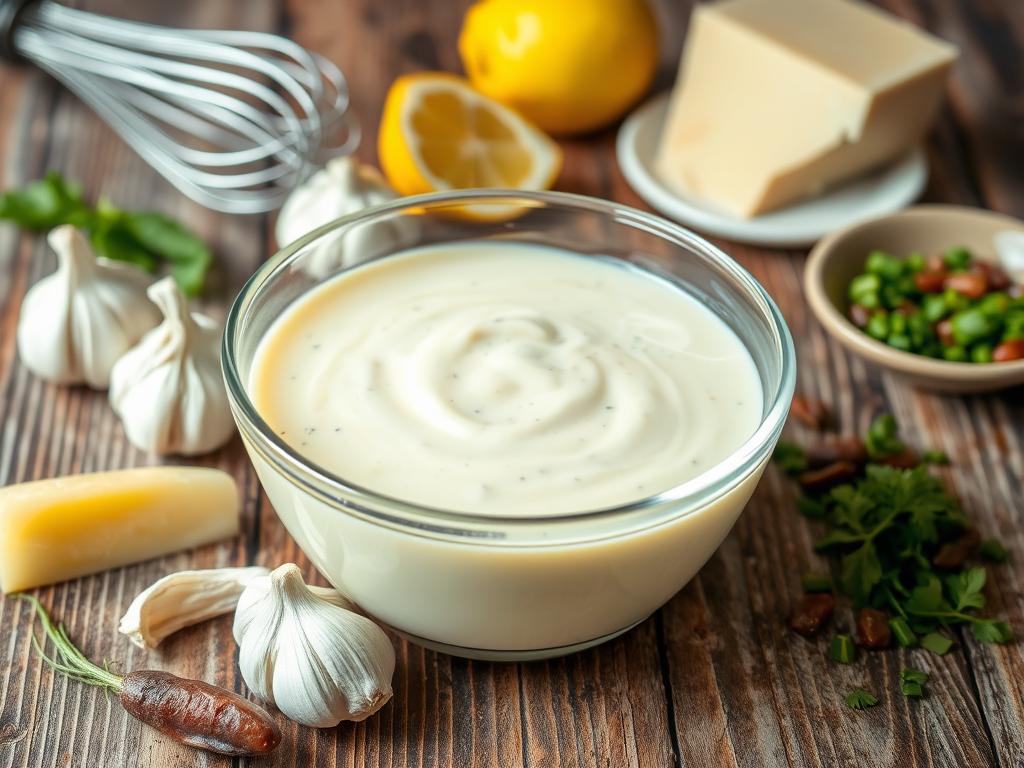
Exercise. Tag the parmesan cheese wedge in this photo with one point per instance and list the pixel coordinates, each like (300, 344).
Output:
(59, 529)
(778, 100)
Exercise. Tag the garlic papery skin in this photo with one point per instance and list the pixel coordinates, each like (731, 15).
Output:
(344, 186)
(76, 322)
(316, 661)
(182, 599)
(168, 389)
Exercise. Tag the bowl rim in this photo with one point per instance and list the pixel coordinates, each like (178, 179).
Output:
(838, 325)
(345, 496)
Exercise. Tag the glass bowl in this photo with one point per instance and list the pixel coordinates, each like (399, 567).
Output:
(508, 588)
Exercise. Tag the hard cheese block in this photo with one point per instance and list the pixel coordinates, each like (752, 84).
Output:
(52, 530)
(779, 99)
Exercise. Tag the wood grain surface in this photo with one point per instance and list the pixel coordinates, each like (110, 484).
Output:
(715, 678)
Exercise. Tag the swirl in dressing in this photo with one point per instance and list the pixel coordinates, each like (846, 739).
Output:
(506, 380)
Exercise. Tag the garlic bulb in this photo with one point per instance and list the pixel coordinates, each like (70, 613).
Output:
(182, 599)
(76, 322)
(342, 187)
(302, 651)
(168, 390)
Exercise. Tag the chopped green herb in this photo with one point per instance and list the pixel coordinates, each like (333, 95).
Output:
(842, 649)
(791, 458)
(143, 238)
(883, 436)
(816, 582)
(858, 698)
(936, 643)
(935, 457)
(993, 551)
(810, 507)
(904, 634)
(912, 682)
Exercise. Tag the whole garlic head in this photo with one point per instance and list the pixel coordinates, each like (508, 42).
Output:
(306, 653)
(168, 389)
(344, 186)
(76, 322)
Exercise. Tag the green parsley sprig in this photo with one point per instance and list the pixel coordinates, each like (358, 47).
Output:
(143, 238)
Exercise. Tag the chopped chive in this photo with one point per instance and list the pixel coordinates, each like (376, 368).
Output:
(816, 582)
(993, 551)
(936, 643)
(842, 649)
(912, 682)
(858, 698)
(904, 634)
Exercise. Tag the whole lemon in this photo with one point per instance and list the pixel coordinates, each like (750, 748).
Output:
(568, 66)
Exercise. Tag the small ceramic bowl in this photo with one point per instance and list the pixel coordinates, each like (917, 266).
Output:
(928, 229)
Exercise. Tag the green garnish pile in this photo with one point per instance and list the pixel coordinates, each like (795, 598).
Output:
(952, 307)
(902, 546)
(143, 238)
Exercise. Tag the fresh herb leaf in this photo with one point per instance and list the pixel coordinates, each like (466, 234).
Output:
(965, 589)
(862, 572)
(45, 204)
(185, 252)
(816, 582)
(141, 238)
(790, 457)
(858, 698)
(992, 631)
(912, 682)
(811, 508)
(936, 643)
(993, 551)
(842, 649)
(883, 437)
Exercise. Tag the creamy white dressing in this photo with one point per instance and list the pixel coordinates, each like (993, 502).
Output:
(507, 380)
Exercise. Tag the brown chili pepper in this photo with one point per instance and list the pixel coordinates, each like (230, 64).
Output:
(995, 275)
(191, 712)
(827, 476)
(810, 412)
(973, 285)
(1009, 350)
(198, 714)
(829, 450)
(905, 459)
(873, 629)
(812, 613)
(930, 281)
(954, 554)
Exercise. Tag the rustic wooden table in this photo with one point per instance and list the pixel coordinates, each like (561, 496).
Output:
(715, 678)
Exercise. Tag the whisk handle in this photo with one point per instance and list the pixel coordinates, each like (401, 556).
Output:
(10, 15)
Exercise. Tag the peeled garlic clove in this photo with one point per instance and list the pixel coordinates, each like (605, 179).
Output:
(344, 186)
(76, 322)
(168, 389)
(318, 662)
(182, 599)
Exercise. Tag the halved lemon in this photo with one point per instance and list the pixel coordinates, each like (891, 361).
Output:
(437, 132)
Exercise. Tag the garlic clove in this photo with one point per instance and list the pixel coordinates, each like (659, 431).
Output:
(168, 389)
(300, 650)
(182, 599)
(76, 322)
(342, 187)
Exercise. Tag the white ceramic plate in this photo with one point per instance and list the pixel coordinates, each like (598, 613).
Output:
(879, 193)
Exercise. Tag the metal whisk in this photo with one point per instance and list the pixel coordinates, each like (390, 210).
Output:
(233, 119)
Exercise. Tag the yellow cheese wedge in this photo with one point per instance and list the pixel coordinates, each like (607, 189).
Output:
(53, 530)
(779, 99)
